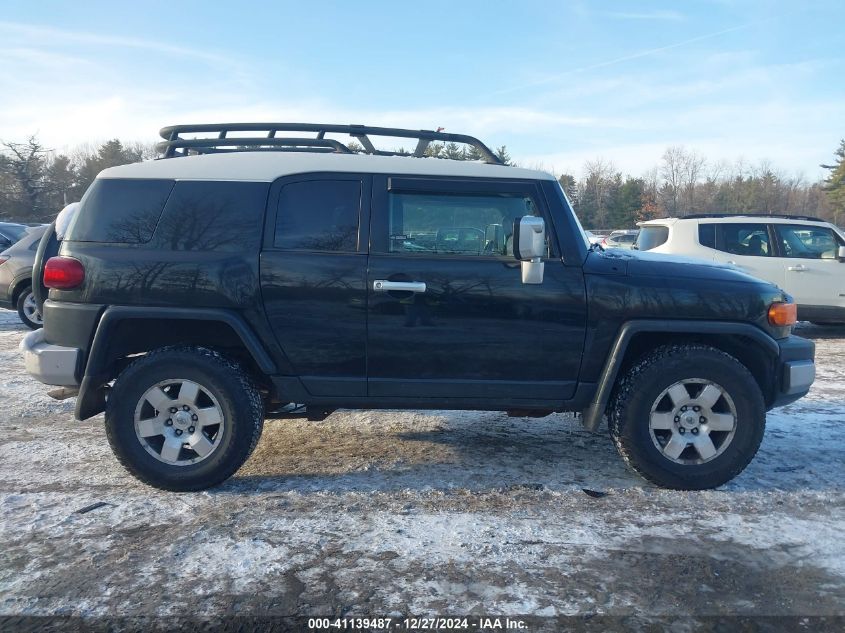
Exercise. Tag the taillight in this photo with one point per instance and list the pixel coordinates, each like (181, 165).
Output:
(3, 259)
(783, 314)
(63, 273)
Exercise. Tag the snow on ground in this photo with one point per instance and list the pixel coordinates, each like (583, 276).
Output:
(388, 512)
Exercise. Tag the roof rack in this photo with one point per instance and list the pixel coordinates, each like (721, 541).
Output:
(173, 145)
(697, 216)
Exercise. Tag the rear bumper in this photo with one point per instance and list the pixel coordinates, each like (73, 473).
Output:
(796, 369)
(48, 363)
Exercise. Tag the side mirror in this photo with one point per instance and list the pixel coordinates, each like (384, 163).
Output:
(529, 246)
(840, 254)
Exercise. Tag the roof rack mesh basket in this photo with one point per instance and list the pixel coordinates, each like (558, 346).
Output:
(215, 139)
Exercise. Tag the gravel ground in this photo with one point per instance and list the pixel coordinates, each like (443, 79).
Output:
(389, 513)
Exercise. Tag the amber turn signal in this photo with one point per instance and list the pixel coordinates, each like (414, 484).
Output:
(783, 314)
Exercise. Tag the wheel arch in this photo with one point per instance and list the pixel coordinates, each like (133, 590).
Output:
(751, 346)
(125, 332)
(18, 286)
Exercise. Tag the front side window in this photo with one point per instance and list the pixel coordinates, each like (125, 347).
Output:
(319, 215)
(807, 242)
(750, 240)
(456, 224)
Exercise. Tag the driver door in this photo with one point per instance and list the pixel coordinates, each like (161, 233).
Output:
(463, 325)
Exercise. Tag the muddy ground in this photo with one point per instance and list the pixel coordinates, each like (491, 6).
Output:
(396, 513)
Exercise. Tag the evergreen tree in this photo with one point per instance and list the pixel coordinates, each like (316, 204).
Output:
(834, 184)
(503, 155)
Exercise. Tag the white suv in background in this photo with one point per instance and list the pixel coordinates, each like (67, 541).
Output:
(804, 256)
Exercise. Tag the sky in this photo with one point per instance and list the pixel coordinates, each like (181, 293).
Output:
(559, 83)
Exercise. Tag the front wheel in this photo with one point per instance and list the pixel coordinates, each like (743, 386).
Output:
(688, 417)
(28, 309)
(183, 418)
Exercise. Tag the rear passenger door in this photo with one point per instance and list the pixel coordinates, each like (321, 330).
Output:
(313, 276)
(464, 326)
(747, 245)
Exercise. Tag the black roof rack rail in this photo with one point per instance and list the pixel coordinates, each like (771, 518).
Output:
(174, 145)
(786, 216)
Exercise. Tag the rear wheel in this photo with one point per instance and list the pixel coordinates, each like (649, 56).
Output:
(688, 417)
(183, 418)
(28, 309)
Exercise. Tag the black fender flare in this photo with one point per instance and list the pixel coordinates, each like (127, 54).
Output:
(92, 390)
(591, 416)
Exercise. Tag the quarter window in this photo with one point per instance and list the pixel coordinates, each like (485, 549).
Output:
(807, 242)
(707, 235)
(319, 215)
(456, 224)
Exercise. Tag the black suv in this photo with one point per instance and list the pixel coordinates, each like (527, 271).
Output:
(197, 294)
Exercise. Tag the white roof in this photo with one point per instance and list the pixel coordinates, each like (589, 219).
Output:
(267, 166)
(736, 219)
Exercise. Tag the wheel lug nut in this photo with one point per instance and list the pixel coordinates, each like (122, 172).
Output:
(178, 431)
(677, 418)
(173, 409)
(191, 429)
(185, 407)
(695, 431)
(702, 420)
(168, 422)
(682, 430)
(684, 408)
(195, 417)
(696, 408)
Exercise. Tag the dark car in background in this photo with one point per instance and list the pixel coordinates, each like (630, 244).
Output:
(16, 277)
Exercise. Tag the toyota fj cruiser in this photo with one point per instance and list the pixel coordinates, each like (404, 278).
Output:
(195, 295)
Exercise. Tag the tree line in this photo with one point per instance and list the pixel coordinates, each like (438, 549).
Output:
(35, 183)
(686, 183)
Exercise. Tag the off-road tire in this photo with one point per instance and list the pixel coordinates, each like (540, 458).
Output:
(637, 390)
(234, 390)
(20, 304)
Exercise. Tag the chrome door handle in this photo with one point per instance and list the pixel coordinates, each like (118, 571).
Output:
(800, 268)
(731, 262)
(383, 285)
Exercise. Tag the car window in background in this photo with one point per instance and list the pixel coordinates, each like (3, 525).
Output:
(14, 232)
(750, 240)
(707, 235)
(652, 236)
(807, 242)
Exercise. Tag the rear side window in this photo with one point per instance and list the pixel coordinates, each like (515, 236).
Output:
(750, 240)
(119, 210)
(319, 215)
(652, 237)
(213, 216)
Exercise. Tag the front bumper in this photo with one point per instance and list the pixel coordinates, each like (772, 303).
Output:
(48, 363)
(796, 369)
